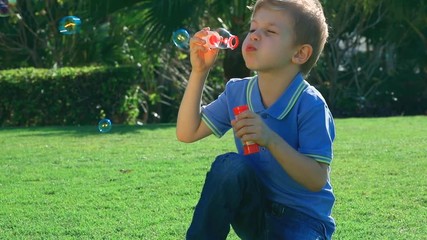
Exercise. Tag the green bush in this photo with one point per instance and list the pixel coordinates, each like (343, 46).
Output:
(68, 96)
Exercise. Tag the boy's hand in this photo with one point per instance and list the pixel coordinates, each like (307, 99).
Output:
(202, 58)
(250, 127)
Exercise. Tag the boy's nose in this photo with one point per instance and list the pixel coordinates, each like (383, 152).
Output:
(254, 36)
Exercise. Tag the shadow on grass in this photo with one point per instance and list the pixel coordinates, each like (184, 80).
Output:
(85, 130)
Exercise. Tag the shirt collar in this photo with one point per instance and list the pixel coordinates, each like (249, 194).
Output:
(283, 105)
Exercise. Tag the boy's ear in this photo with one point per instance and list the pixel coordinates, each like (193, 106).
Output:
(302, 54)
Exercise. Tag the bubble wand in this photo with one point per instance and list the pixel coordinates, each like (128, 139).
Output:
(220, 38)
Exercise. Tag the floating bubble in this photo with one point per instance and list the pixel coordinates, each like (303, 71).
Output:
(105, 125)
(181, 38)
(4, 8)
(69, 25)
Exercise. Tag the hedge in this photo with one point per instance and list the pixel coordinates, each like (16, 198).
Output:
(68, 96)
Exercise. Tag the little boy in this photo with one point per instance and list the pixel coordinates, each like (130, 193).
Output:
(283, 191)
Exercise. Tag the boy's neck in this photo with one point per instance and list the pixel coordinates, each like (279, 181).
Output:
(273, 84)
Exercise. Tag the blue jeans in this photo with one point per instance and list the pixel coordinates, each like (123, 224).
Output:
(233, 195)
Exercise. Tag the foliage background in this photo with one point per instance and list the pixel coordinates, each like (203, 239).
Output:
(374, 63)
(69, 96)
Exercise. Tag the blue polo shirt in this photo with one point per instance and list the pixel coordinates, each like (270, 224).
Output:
(302, 118)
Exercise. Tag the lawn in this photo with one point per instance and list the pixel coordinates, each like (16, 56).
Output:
(138, 182)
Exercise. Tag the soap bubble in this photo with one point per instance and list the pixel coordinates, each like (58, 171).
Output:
(105, 125)
(7, 7)
(181, 38)
(4, 8)
(69, 25)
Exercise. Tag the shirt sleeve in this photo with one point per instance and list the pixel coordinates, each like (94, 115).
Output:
(317, 133)
(216, 115)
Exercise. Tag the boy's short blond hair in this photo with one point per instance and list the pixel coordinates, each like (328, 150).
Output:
(310, 25)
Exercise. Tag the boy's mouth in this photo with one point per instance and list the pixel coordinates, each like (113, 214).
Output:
(250, 48)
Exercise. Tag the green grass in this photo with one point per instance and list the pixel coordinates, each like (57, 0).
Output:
(140, 183)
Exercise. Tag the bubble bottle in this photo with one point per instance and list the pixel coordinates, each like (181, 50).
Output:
(220, 38)
(248, 146)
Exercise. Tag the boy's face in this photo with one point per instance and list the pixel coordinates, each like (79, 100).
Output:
(269, 43)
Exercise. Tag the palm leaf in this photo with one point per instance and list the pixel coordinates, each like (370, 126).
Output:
(155, 20)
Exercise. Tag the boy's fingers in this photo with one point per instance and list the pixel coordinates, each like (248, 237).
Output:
(243, 125)
(245, 114)
(198, 41)
(201, 33)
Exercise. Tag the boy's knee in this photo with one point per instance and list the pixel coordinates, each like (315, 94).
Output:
(230, 167)
(228, 161)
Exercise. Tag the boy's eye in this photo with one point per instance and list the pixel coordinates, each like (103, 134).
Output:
(267, 31)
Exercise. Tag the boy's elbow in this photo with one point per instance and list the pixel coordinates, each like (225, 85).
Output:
(183, 138)
(317, 186)
(318, 182)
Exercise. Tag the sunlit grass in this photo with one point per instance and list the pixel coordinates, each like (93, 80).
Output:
(140, 183)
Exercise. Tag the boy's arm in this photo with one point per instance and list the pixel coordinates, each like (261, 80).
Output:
(303, 169)
(190, 127)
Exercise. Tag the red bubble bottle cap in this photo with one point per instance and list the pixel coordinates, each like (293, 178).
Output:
(239, 109)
